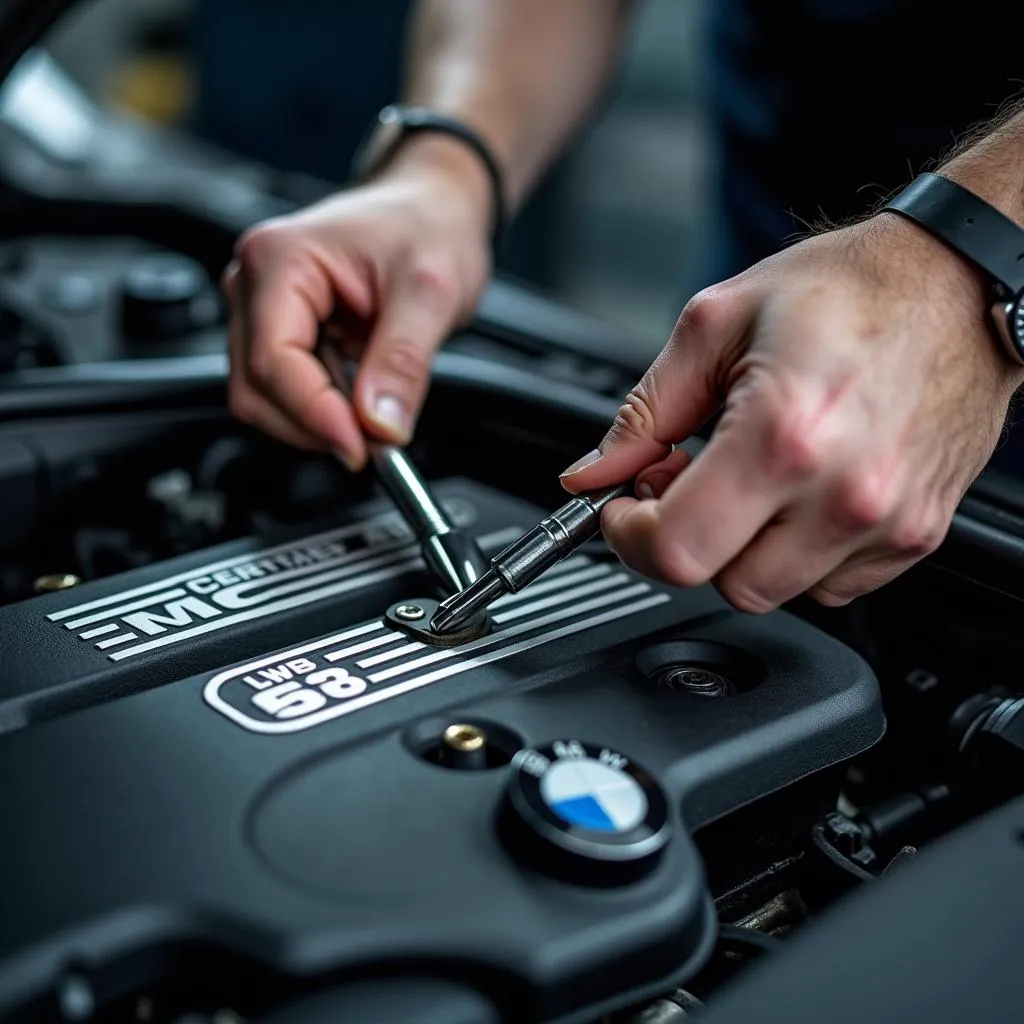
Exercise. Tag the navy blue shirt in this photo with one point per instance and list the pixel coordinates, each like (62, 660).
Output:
(822, 106)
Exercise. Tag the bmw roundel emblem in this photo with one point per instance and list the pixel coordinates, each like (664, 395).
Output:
(585, 811)
(592, 794)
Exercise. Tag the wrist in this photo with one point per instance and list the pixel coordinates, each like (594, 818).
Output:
(444, 163)
(396, 136)
(945, 286)
(983, 237)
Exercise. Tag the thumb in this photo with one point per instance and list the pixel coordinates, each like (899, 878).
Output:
(394, 371)
(675, 397)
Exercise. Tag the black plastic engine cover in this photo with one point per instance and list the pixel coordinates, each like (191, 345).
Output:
(167, 621)
(307, 835)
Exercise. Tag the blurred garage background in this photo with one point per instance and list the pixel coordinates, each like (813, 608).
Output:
(616, 229)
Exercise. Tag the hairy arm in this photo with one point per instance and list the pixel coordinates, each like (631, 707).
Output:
(990, 162)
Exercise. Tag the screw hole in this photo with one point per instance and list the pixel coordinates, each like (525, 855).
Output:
(970, 220)
(700, 668)
(694, 678)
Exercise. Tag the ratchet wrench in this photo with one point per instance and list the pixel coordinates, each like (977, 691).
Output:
(452, 555)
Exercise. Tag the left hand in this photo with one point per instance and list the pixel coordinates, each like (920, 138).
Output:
(863, 392)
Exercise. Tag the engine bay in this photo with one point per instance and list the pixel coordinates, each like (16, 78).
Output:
(239, 792)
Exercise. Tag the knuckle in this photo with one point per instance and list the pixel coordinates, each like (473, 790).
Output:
(832, 596)
(260, 242)
(674, 564)
(919, 534)
(746, 597)
(434, 284)
(863, 501)
(796, 447)
(701, 317)
(403, 359)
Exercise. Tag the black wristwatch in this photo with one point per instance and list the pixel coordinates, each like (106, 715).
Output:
(982, 234)
(395, 122)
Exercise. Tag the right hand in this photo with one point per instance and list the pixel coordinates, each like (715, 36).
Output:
(390, 268)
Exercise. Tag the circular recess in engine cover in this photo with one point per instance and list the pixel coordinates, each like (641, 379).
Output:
(584, 812)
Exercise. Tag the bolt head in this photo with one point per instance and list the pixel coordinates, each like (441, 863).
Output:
(465, 738)
(409, 612)
(55, 581)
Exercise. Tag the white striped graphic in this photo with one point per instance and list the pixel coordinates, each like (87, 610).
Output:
(114, 641)
(282, 591)
(577, 596)
(90, 633)
(131, 606)
(461, 512)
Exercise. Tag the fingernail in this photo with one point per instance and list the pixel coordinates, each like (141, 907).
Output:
(645, 490)
(390, 414)
(588, 460)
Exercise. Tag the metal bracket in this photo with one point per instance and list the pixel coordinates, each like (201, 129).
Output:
(413, 617)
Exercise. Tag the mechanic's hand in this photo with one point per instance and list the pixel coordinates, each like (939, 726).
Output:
(390, 267)
(862, 391)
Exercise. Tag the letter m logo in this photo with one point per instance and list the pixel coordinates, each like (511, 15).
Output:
(174, 613)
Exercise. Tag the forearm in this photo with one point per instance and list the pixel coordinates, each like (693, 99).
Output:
(991, 163)
(523, 73)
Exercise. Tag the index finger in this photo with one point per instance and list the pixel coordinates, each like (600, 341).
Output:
(280, 323)
(707, 515)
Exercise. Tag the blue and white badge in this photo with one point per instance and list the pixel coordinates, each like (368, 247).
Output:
(593, 795)
(588, 803)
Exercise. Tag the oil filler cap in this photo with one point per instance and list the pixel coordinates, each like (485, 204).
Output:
(584, 813)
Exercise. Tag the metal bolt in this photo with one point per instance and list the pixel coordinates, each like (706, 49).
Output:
(464, 737)
(55, 581)
(409, 612)
(693, 679)
(463, 746)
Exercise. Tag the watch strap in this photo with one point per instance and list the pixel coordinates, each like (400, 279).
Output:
(967, 223)
(412, 120)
